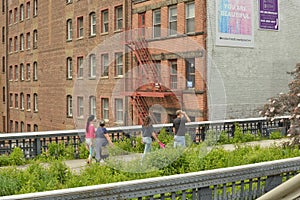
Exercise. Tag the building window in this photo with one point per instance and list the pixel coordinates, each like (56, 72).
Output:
(28, 102)
(190, 72)
(22, 72)
(16, 15)
(35, 128)
(141, 24)
(27, 40)
(93, 105)
(35, 102)
(119, 110)
(80, 107)
(69, 68)
(11, 123)
(68, 1)
(35, 71)
(22, 101)
(35, 7)
(80, 27)
(21, 42)
(11, 71)
(16, 101)
(92, 66)
(80, 67)
(158, 69)
(16, 73)
(190, 17)
(69, 106)
(35, 39)
(10, 45)
(21, 12)
(16, 43)
(104, 60)
(3, 64)
(3, 94)
(119, 18)
(105, 108)
(28, 9)
(3, 34)
(28, 75)
(173, 20)
(22, 127)
(28, 127)
(93, 24)
(104, 20)
(173, 74)
(11, 100)
(119, 64)
(69, 29)
(10, 17)
(156, 24)
(16, 126)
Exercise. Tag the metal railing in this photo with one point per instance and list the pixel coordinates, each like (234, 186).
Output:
(240, 182)
(34, 143)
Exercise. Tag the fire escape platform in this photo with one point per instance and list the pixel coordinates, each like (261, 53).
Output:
(151, 94)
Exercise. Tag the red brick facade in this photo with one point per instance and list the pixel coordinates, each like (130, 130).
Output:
(48, 82)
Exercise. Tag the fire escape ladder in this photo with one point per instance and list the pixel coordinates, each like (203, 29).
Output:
(140, 104)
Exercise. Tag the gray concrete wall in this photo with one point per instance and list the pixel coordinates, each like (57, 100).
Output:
(240, 80)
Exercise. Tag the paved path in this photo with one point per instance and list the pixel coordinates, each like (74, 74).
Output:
(77, 165)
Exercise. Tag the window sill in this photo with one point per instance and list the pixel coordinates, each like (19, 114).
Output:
(69, 79)
(80, 38)
(92, 78)
(118, 31)
(69, 40)
(92, 36)
(69, 116)
(80, 78)
(104, 77)
(119, 76)
(28, 110)
(104, 33)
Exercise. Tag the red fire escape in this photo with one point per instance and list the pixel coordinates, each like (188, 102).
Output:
(153, 88)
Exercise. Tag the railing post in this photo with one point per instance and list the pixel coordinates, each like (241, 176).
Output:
(37, 146)
(272, 182)
(205, 193)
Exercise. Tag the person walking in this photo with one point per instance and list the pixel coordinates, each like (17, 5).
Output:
(179, 128)
(102, 140)
(89, 136)
(147, 132)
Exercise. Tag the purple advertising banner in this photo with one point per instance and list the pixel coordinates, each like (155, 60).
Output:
(268, 14)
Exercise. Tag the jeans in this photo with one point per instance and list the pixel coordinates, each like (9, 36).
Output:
(148, 145)
(179, 141)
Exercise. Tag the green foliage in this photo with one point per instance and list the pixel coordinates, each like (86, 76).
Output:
(275, 135)
(17, 157)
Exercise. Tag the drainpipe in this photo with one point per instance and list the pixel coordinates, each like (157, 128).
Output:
(6, 66)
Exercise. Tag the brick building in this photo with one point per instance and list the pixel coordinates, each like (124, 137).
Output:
(64, 61)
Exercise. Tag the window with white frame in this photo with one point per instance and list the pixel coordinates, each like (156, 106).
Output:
(119, 63)
(80, 27)
(92, 24)
(35, 71)
(173, 20)
(69, 29)
(105, 108)
(22, 77)
(173, 73)
(28, 9)
(11, 101)
(69, 106)
(119, 110)
(190, 17)
(35, 7)
(16, 101)
(104, 62)
(156, 23)
(22, 101)
(190, 72)
(92, 65)
(69, 68)
(119, 18)
(22, 127)
(28, 72)
(21, 12)
(80, 67)
(80, 107)
(35, 39)
(35, 102)
(27, 40)
(104, 19)
(21, 42)
(28, 102)
(16, 73)
(93, 105)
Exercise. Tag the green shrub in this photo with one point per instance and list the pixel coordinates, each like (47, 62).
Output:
(17, 157)
(275, 135)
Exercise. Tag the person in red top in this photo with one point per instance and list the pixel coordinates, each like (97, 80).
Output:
(89, 136)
